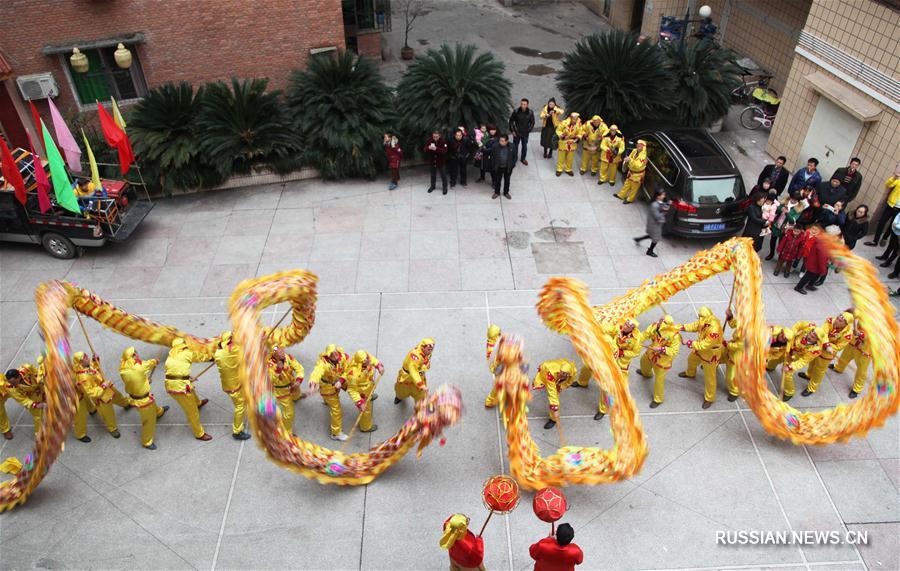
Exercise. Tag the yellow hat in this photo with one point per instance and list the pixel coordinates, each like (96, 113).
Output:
(704, 312)
(178, 341)
(454, 530)
(596, 118)
(493, 330)
(360, 356)
(426, 341)
(78, 356)
(611, 127)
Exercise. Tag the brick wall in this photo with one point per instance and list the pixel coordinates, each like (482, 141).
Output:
(192, 40)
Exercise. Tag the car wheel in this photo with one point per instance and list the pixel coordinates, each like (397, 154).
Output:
(59, 246)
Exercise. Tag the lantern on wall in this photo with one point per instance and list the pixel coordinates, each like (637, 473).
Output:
(79, 61)
(122, 56)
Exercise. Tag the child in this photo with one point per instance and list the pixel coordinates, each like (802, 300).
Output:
(769, 211)
(834, 231)
(394, 154)
(790, 248)
(788, 214)
(815, 260)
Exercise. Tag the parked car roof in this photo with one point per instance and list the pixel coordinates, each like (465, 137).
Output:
(700, 152)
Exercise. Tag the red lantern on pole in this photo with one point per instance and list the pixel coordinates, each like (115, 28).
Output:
(550, 505)
(501, 495)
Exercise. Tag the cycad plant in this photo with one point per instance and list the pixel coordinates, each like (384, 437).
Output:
(242, 126)
(614, 76)
(452, 86)
(705, 75)
(165, 134)
(340, 106)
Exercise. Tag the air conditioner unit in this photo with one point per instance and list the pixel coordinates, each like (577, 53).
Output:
(37, 86)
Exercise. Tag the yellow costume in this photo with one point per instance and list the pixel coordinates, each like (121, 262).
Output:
(136, 377)
(665, 342)
(591, 133)
(411, 381)
(362, 383)
(612, 147)
(180, 387)
(31, 390)
(636, 164)
(568, 131)
(837, 338)
(15, 391)
(780, 343)
(627, 347)
(556, 376)
(493, 337)
(806, 346)
(331, 375)
(706, 351)
(228, 360)
(92, 387)
(287, 373)
(860, 351)
(732, 353)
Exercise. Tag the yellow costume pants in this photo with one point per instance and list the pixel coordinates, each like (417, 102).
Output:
(589, 159)
(334, 409)
(608, 172)
(584, 378)
(405, 390)
(365, 423)
(770, 365)
(4, 418)
(491, 400)
(862, 367)
(630, 188)
(709, 375)
(285, 403)
(190, 404)
(148, 415)
(119, 399)
(729, 377)
(816, 372)
(659, 378)
(564, 161)
(237, 399)
(37, 414)
(81, 414)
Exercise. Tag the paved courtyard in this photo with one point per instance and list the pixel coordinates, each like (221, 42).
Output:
(395, 267)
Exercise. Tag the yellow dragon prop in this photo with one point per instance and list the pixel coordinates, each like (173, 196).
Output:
(564, 308)
(440, 410)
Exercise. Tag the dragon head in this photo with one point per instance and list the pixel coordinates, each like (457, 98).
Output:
(512, 377)
(437, 411)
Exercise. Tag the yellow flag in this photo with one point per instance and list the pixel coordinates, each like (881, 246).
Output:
(95, 174)
(11, 466)
(117, 115)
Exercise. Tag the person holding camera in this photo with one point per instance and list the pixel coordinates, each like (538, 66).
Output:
(436, 154)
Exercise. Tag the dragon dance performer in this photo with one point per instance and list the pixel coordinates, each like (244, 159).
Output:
(330, 375)
(11, 387)
(612, 147)
(29, 390)
(859, 351)
(493, 337)
(180, 384)
(626, 338)
(838, 335)
(636, 163)
(780, 343)
(805, 346)
(732, 352)
(556, 375)
(465, 549)
(591, 133)
(362, 382)
(706, 351)
(286, 372)
(569, 132)
(136, 375)
(228, 361)
(411, 381)
(665, 342)
(94, 388)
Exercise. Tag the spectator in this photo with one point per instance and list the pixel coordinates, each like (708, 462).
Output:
(459, 149)
(831, 192)
(850, 178)
(655, 222)
(487, 145)
(856, 226)
(755, 221)
(394, 155)
(831, 215)
(806, 177)
(765, 187)
(790, 248)
(436, 153)
(787, 216)
(889, 210)
(893, 249)
(521, 122)
(551, 115)
(557, 553)
(769, 213)
(816, 263)
(503, 161)
(776, 173)
(808, 216)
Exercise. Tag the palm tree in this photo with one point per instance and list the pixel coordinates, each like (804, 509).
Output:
(614, 76)
(243, 126)
(706, 74)
(452, 86)
(164, 127)
(341, 106)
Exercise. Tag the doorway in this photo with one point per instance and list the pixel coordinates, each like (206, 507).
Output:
(831, 137)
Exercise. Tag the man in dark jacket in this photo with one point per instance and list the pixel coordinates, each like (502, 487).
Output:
(436, 154)
(806, 177)
(459, 149)
(850, 178)
(503, 161)
(521, 122)
(831, 192)
(777, 175)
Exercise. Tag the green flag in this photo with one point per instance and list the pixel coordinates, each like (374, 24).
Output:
(62, 186)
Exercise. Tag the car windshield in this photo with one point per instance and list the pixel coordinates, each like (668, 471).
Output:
(714, 190)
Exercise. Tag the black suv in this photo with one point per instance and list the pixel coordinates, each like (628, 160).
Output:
(701, 181)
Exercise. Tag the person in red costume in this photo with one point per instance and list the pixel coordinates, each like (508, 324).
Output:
(557, 553)
(466, 550)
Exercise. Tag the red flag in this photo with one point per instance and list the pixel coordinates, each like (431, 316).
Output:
(36, 117)
(11, 172)
(40, 178)
(116, 137)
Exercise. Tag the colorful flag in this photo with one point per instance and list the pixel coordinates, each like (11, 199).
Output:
(62, 186)
(36, 117)
(40, 178)
(117, 115)
(95, 174)
(65, 139)
(11, 173)
(116, 138)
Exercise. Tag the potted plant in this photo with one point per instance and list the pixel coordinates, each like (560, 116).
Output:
(412, 9)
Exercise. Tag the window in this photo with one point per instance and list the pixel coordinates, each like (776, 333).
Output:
(714, 190)
(662, 161)
(105, 79)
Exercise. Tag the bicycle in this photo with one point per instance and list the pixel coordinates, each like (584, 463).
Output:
(762, 113)
(742, 93)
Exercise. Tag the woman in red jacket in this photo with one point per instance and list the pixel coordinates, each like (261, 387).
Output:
(394, 154)
(466, 550)
(816, 262)
(557, 553)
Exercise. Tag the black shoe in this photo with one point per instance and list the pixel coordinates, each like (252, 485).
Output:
(93, 412)
(151, 447)
(445, 191)
(799, 289)
(831, 366)
(786, 398)
(242, 435)
(495, 196)
(872, 243)
(431, 189)
(165, 410)
(775, 273)
(599, 415)
(803, 376)
(732, 398)
(770, 256)
(853, 394)
(893, 275)
(806, 392)
(882, 257)
(654, 404)
(373, 429)
(374, 396)
(549, 424)
(707, 404)
(886, 264)
(115, 434)
(558, 173)
(397, 401)
(582, 173)
(811, 287)
(452, 185)
(684, 375)
(638, 240)
(85, 438)
(786, 274)
(652, 254)
(507, 196)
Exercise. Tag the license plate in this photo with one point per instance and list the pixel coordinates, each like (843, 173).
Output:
(713, 227)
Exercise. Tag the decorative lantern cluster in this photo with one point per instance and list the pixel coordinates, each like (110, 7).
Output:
(80, 62)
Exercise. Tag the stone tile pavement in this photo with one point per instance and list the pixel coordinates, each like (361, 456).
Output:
(395, 267)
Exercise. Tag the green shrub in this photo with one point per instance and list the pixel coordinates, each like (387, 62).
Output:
(705, 75)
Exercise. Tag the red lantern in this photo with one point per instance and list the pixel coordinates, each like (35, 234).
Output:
(501, 494)
(549, 505)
